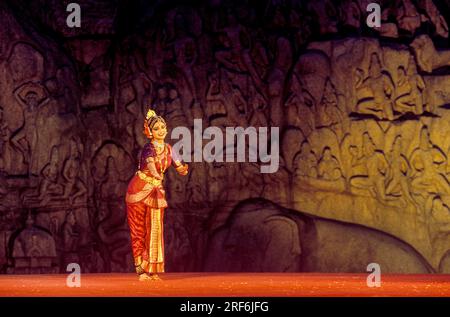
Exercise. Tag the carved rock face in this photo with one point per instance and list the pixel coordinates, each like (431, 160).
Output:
(363, 132)
(264, 237)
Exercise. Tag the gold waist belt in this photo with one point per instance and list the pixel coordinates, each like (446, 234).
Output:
(149, 179)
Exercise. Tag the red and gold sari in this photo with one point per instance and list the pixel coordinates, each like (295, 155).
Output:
(146, 203)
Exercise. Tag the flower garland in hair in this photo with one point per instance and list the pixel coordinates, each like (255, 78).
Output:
(150, 114)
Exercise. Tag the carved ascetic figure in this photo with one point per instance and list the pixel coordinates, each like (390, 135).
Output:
(26, 139)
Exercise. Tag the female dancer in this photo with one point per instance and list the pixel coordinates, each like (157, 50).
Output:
(146, 201)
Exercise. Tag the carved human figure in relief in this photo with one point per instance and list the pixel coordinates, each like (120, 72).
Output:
(235, 105)
(175, 113)
(257, 114)
(409, 91)
(236, 55)
(403, 102)
(427, 161)
(32, 97)
(71, 173)
(217, 173)
(398, 182)
(276, 80)
(305, 162)
(70, 237)
(329, 168)
(417, 88)
(439, 212)
(376, 169)
(111, 185)
(5, 151)
(49, 184)
(380, 87)
(161, 99)
(298, 113)
(356, 163)
(196, 187)
(139, 80)
(328, 113)
(214, 97)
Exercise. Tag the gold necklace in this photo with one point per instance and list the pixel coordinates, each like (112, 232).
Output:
(159, 159)
(158, 146)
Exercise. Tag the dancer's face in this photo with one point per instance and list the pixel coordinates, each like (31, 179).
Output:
(159, 131)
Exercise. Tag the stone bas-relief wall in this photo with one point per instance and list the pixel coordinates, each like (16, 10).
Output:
(363, 114)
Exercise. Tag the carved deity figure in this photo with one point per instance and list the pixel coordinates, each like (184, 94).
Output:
(381, 88)
(403, 102)
(376, 168)
(328, 113)
(329, 168)
(426, 160)
(398, 182)
(409, 90)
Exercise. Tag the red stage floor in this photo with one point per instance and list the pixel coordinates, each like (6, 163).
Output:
(227, 285)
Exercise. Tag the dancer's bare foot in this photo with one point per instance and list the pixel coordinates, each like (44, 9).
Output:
(144, 277)
(155, 277)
